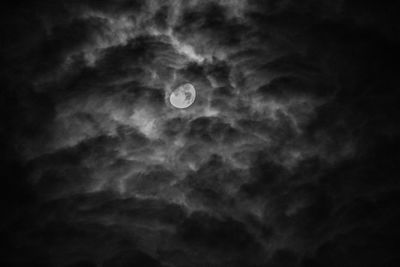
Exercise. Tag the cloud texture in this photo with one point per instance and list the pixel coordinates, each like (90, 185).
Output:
(288, 157)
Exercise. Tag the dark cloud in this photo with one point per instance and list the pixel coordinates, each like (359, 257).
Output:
(288, 156)
(212, 22)
(212, 129)
(131, 258)
(208, 232)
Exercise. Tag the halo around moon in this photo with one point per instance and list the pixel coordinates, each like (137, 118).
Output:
(183, 96)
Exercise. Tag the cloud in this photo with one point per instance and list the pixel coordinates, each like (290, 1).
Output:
(288, 156)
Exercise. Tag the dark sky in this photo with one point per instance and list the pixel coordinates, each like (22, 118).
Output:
(289, 156)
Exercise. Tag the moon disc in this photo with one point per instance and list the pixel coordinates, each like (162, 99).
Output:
(183, 96)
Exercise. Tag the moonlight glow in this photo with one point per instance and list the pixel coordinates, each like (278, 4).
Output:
(183, 96)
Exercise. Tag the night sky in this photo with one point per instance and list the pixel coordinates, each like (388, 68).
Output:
(288, 157)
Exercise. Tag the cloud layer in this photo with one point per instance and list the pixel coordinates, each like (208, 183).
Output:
(287, 157)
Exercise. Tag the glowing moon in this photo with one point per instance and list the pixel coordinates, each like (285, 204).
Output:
(183, 96)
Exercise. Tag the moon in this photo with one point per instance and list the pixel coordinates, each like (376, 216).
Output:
(183, 96)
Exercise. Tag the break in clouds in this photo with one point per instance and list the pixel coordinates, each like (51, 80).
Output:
(287, 157)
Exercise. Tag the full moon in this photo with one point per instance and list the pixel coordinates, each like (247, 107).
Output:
(183, 96)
